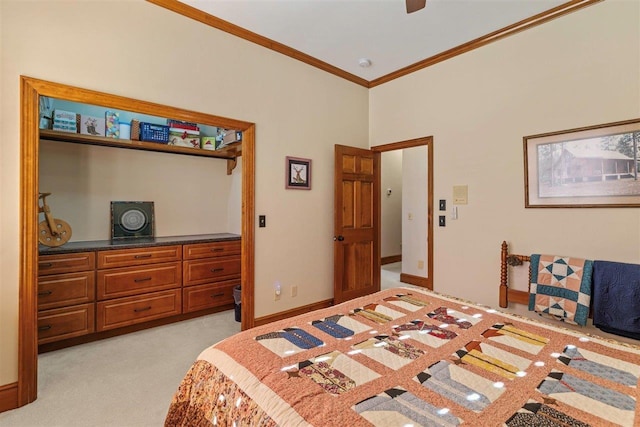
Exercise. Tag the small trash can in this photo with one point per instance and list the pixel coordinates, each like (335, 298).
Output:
(236, 297)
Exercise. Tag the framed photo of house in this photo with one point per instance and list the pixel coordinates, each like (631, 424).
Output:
(595, 166)
(297, 173)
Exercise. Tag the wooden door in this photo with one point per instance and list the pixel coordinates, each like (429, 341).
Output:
(356, 247)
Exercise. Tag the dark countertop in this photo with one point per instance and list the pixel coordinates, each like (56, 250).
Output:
(107, 245)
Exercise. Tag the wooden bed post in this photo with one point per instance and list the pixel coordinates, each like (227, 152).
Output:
(511, 295)
(503, 275)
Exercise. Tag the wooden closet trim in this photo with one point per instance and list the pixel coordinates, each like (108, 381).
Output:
(31, 89)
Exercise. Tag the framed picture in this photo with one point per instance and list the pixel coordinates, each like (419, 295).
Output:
(90, 125)
(590, 167)
(298, 173)
(131, 220)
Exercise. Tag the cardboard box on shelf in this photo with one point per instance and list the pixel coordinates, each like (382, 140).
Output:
(231, 136)
(184, 139)
(64, 116)
(112, 124)
(151, 132)
(65, 127)
(208, 143)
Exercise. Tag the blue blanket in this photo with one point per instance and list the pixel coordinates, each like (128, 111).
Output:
(616, 298)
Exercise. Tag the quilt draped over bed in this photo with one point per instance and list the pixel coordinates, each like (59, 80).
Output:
(409, 357)
(561, 287)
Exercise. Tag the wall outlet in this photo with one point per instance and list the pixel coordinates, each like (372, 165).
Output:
(277, 291)
(420, 265)
(294, 290)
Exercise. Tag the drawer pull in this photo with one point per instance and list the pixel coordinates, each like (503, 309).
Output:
(45, 293)
(44, 327)
(221, 294)
(144, 279)
(138, 310)
(142, 256)
(45, 264)
(217, 249)
(216, 270)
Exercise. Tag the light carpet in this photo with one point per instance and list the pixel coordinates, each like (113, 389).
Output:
(122, 381)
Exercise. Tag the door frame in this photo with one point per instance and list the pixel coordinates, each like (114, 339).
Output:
(30, 91)
(418, 142)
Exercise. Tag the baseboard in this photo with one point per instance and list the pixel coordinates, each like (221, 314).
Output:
(414, 280)
(8, 397)
(390, 259)
(293, 312)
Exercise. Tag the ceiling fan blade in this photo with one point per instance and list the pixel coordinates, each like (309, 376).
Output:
(415, 5)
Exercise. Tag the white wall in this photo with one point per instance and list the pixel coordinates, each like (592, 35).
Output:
(190, 194)
(391, 205)
(298, 110)
(414, 211)
(578, 70)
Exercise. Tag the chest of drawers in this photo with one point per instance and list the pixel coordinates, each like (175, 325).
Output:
(210, 272)
(138, 285)
(66, 293)
(92, 292)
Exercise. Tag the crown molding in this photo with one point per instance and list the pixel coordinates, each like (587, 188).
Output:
(213, 21)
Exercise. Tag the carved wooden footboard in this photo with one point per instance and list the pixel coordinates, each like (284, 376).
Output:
(507, 294)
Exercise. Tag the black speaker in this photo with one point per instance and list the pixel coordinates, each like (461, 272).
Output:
(131, 220)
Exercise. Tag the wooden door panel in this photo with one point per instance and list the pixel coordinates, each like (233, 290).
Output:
(356, 216)
(348, 191)
(366, 166)
(348, 163)
(365, 202)
(357, 266)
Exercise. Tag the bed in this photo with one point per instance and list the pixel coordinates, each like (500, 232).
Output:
(409, 356)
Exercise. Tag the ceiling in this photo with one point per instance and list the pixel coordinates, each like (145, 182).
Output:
(339, 33)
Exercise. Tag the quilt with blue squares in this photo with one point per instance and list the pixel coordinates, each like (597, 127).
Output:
(561, 287)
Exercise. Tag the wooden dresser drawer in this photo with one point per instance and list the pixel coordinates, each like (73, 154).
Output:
(60, 290)
(200, 297)
(138, 256)
(212, 249)
(63, 323)
(121, 312)
(66, 263)
(121, 282)
(209, 270)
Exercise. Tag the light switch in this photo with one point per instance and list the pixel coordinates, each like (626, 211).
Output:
(443, 205)
(262, 221)
(442, 220)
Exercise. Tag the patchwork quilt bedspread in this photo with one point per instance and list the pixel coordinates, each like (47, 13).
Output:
(409, 357)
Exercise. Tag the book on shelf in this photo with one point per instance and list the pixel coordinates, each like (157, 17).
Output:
(179, 124)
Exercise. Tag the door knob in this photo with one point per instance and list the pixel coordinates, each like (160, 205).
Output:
(338, 238)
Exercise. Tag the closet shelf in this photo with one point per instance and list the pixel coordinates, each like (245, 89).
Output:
(230, 152)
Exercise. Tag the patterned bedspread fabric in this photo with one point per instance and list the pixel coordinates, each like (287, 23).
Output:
(616, 298)
(561, 287)
(409, 357)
